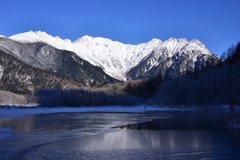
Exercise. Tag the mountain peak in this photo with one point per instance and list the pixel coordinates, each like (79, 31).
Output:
(173, 44)
(38, 36)
(196, 42)
(39, 32)
(156, 40)
(174, 39)
(83, 38)
(25, 37)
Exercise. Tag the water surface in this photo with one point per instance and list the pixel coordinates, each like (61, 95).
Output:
(163, 135)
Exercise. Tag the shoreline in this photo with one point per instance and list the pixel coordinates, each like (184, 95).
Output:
(15, 112)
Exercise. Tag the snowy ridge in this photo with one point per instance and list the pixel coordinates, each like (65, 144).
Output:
(174, 57)
(114, 57)
(172, 46)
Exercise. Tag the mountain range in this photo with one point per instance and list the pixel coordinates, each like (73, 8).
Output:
(98, 60)
(121, 61)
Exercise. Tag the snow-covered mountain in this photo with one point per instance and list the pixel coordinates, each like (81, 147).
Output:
(173, 58)
(123, 61)
(114, 57)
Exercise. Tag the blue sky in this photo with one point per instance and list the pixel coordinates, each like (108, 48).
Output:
(216, 23)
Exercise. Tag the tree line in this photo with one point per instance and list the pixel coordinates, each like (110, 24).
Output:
(76, 98)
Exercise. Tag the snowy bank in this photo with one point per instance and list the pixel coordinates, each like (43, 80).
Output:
(13, 111)
(22, 112)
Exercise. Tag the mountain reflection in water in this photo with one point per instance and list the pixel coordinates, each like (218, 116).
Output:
(19, 124)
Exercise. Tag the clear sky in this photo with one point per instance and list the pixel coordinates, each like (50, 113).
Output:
(216, 23)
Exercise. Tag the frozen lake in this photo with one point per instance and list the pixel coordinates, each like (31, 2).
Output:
(182, 134)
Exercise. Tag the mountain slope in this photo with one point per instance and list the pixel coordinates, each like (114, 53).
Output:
(46, 57)
(18, 77)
